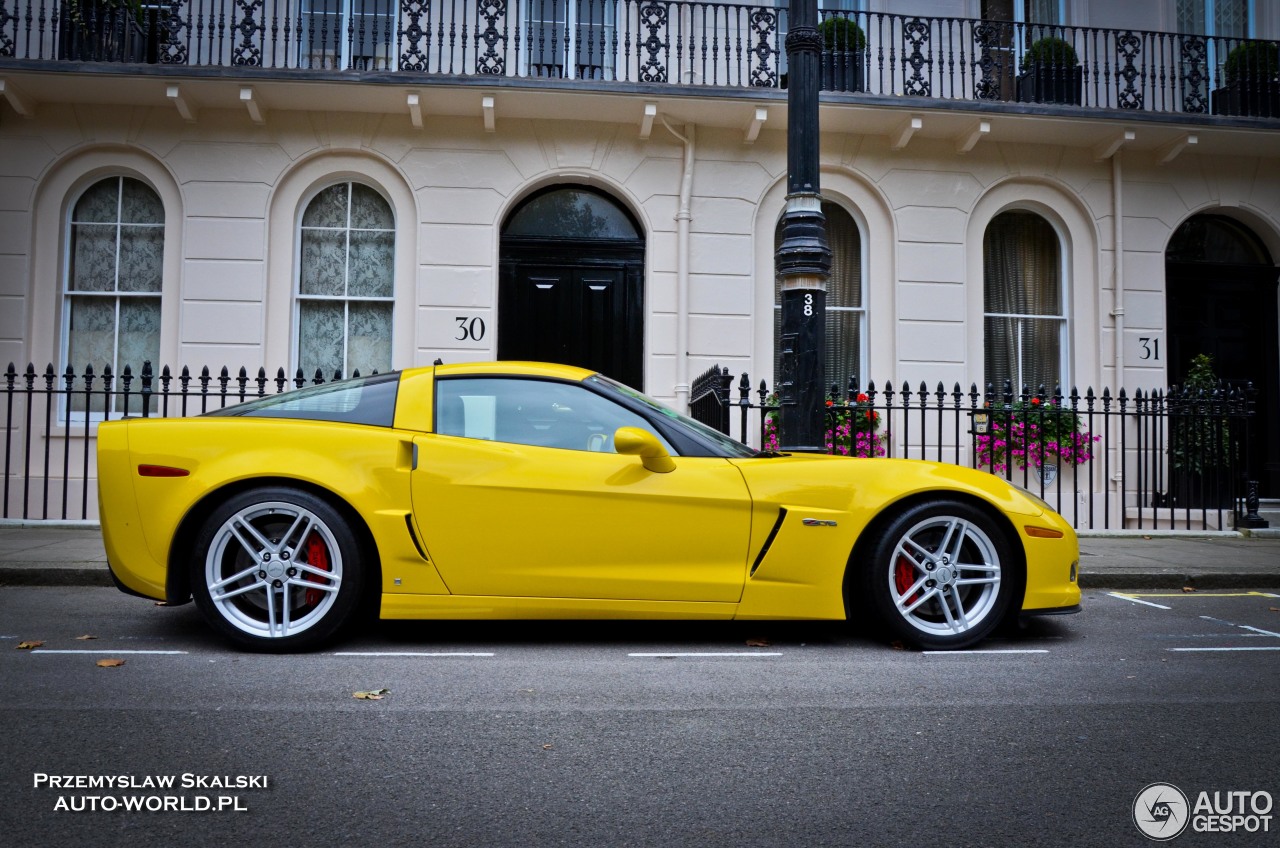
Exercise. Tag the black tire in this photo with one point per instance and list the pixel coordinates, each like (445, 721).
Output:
(277, 569)
(940, 576)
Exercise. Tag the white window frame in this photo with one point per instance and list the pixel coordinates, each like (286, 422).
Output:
(67, 296)
(566, 51)
(1064, 316)
(299, 298)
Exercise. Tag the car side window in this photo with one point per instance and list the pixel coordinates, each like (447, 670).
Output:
(543, 413)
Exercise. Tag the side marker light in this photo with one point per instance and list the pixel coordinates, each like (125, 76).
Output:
(161, 471)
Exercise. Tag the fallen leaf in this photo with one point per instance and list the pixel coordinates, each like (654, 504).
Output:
(85, 638)
(1274, 609)
(162, 603)
(1188, 588)
(758, 643)
(28, 645)
(1148, 538)
(547, 747)
(110, 663)
(897, 646)
(375, 695)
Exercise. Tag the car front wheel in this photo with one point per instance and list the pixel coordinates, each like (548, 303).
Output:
(276, 569)
(941, 576)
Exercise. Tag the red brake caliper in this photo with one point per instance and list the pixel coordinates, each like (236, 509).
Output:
(904, 576)
(317, 557)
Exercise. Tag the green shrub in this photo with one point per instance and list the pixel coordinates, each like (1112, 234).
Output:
(1049, 52)
(1252, 61)
(842, 34)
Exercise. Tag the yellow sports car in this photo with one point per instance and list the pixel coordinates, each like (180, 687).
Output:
(508, 490)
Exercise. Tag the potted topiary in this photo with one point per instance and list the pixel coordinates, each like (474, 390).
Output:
(1251, 81)
(844, 52)
(1199, 439)
(1050, 73)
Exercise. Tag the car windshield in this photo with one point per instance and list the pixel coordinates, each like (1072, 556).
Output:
(362, 400)
(724, 444)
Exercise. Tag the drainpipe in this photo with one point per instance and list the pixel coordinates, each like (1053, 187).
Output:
(1117, 308)
(684, 218)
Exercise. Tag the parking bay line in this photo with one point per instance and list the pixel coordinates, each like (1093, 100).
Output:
(1221, 650)
(56, 651)
(989, 651)
(675, 654)
(412, 654)
(1134, 600)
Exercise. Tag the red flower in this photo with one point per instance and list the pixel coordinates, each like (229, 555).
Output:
(862, 398)
(831, 403)
(1035, 401)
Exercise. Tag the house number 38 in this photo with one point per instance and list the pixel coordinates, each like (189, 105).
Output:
(808, 305)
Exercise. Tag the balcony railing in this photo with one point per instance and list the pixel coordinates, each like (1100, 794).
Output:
(657, 42)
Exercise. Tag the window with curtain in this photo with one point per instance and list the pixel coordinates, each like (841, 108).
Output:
(345, 282)
(111, 291)
(1228, 18)
(846, 313)
(1023, 302)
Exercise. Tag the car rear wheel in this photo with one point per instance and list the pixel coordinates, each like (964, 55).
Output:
(941, 576)
(276, 569)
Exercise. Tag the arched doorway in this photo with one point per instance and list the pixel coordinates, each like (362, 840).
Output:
(571, 288)
(1221, 300)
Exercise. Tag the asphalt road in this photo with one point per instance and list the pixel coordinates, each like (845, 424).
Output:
(644, 734)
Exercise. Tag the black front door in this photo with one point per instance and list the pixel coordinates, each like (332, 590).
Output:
(588, 312)
(1229, 313)
(572, 283)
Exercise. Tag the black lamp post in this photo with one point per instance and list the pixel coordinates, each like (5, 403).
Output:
(803, 259)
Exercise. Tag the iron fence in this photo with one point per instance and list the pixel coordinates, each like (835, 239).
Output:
(1164, 459)
(50, 419)
(685, 42)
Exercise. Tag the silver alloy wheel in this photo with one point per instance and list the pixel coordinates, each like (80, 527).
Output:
(274, 569)
(944, 576)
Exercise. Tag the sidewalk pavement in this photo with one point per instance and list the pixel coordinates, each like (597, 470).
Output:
(34, 554)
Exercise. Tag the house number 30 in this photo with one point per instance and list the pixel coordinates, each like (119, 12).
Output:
(469, 329)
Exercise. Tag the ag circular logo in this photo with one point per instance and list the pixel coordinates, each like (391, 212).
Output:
(1161, 811)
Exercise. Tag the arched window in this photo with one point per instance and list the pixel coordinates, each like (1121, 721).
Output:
(1023, 303)
(114, 271)
(846, 312)
(345, 282)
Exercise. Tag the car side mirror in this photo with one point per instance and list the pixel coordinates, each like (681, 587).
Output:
(634, 441)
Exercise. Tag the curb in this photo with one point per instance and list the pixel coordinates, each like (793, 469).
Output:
(1174, 581)
(91, 574)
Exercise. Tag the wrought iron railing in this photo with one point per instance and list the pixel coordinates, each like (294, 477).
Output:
(50, 420)
(1171, 459)
(1154, 460)
(661, 42)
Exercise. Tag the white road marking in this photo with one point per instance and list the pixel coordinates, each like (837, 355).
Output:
(710, 654)
(1134, 600)
(112, 652)
(1249, 648)
(412, 654)
(991, 651)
